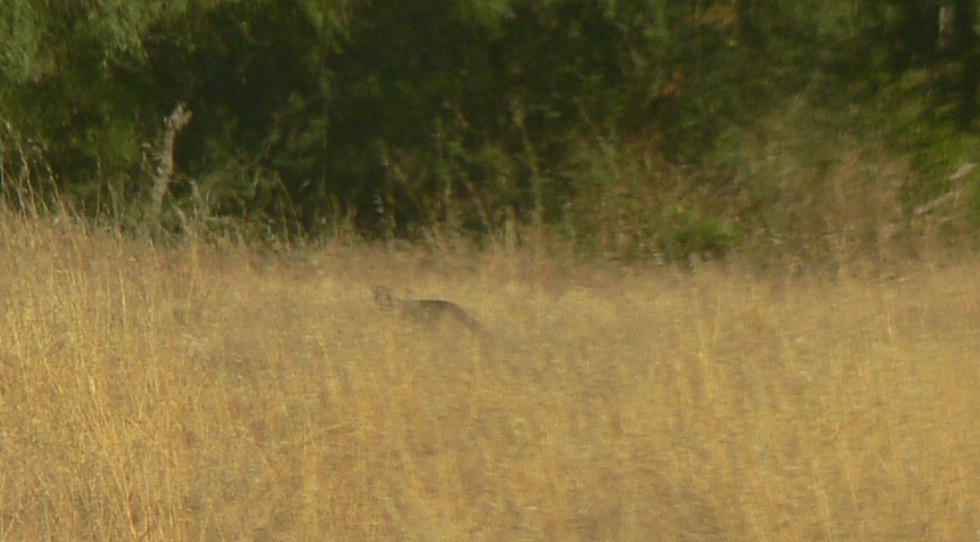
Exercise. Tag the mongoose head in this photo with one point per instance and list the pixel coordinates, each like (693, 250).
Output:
(383, 296)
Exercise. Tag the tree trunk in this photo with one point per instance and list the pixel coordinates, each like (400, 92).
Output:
(173, 124)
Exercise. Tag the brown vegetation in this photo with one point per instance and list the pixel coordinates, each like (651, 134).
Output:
(203, 393)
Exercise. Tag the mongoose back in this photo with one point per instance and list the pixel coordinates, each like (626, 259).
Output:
(426, 311)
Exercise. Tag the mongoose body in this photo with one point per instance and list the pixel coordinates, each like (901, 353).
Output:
(426, 311)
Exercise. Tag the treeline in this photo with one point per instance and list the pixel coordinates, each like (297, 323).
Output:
(629, 127)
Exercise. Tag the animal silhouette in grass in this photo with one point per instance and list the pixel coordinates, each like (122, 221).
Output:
(425, 311)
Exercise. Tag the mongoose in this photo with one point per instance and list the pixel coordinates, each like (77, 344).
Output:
(426, 311)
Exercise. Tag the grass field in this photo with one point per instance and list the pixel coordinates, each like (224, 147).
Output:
(201, 393)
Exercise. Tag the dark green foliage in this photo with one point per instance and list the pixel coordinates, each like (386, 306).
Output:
(608, 120)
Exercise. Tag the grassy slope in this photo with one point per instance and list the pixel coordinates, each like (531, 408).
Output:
(196, 395)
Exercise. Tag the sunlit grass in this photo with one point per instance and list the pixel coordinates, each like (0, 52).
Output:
(194, 393)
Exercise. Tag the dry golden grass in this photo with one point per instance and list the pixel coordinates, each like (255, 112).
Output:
(205, 394)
